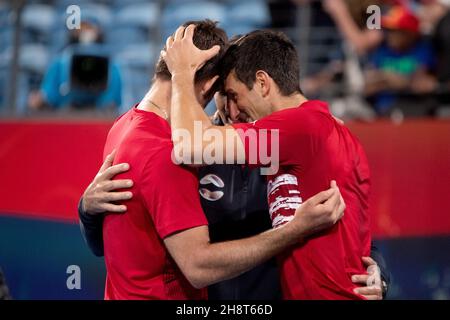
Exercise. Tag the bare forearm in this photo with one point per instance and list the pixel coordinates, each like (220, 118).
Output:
(362, 41)
(229, 259)
(204, 139)
(185, 108)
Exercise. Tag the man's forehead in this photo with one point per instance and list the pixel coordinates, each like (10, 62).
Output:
(231, 81)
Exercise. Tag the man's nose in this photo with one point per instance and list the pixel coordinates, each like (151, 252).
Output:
(234, 112)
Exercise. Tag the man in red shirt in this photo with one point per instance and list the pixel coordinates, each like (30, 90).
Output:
(160, 248)
(306, 148)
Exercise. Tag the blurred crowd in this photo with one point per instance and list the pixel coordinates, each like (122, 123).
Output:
(401, 69)
(368, 58)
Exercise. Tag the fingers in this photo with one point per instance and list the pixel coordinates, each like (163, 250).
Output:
(333, 202)
(189, 31)
(371, 297)
(179, 33)
(322, 197)
(109, 207)
(341, 208)
(210, 53)
(112, 185)
(369, 291)
(117, 196)
(169, 43)
(340, 121)
(333, 184)
(108, 161)
(360, 278)
(368, 261)
(111, 172)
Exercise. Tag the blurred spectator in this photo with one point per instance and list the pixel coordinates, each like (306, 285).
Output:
(441, 42)
(342, 79)
(283, 13)
(402, 64)
(430, 12)
(79, 81)
(350, 17)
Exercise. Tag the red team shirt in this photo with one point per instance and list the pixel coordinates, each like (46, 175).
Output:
(165, 200)
(313, 150)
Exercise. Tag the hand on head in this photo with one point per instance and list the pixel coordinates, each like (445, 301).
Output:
(182, 56)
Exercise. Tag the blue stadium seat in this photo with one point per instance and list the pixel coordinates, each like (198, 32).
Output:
(6, 38)
(63, 4)
(34, 58)
(238, 29)
(4, 75)
(136, 65)
(252, 12)
(38, 21)
(98, 12)
(33, 61)
(133, 24)
(139, 15)
(176, 14)
(40, 17)
(123, 3)
(124, 35)
(137, 55)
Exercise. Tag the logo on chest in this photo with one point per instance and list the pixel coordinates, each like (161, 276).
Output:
(208, 194)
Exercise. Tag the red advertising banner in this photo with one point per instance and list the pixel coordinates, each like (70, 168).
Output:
(45, 166)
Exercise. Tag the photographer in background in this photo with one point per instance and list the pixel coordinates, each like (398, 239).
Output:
(83, 79)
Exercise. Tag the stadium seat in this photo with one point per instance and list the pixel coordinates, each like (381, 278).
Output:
(63, 4)
(139, 15)
(34, 58)
(175, 14)
(38, 21)
(120, 36)
(238, 29)
(6, 38)
(137, 54)
(4, 74)
(123, 3)
(39, 17)
(136, 65)
(251, 13)
(33, 61)
(133, 24)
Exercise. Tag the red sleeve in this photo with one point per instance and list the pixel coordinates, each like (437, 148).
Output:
(292, 136)
(170, 194)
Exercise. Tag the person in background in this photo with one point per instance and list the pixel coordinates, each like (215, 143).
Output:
(402, 64)
(55, 92)
(350, 18)
(441, 44)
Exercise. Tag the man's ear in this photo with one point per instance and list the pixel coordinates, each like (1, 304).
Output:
(208, 85)
(262, 82)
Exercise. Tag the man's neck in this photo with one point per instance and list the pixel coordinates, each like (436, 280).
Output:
(158, 99)
(286, 102)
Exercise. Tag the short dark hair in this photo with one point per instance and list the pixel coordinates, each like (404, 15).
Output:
(265, 50)
(206, 35)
